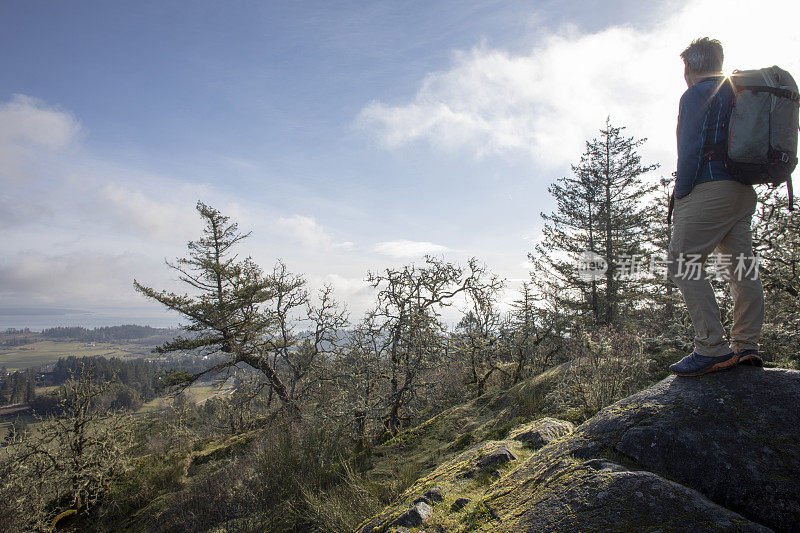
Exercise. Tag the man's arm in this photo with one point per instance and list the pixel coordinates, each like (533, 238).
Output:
(691, 125)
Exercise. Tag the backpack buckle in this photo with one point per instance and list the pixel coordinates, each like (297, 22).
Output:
(784, 157)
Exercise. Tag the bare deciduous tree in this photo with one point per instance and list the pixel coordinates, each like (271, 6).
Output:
(410, 300)
(479, 332)
(65, 464)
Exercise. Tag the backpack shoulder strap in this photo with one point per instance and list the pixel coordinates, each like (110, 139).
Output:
(777, 91)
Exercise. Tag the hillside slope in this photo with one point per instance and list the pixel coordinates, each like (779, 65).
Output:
(715, 453)
(418, 450)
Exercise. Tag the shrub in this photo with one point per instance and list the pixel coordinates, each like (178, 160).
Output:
(284, 480)
(608, 364)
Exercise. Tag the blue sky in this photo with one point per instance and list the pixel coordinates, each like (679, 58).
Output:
(348, 136)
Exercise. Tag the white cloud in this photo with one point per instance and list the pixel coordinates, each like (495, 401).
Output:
(81, 277)
(309, 233)
(50, 177)
(79, 228)
(129, 210)
(14, 212)
(353, 292)
(29, 129)
(28, 120)
(546, 103)
(405, 248)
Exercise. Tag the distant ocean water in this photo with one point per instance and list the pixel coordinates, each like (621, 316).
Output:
(39, 319)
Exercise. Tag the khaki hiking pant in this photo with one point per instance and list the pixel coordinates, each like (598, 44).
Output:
(714, 220)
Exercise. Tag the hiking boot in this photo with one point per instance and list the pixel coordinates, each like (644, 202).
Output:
(695, 364)
(750, 357)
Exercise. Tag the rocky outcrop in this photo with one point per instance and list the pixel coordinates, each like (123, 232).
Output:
(729, 441)
(495, 458)
(719, 452)
(459, 504)
(541, 432)
(433, 494)
(415, 516)
(453, 487)
(487, 461)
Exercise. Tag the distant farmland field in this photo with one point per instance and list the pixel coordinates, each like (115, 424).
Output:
(47, 352)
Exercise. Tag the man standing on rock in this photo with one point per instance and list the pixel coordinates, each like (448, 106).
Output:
(712, 213)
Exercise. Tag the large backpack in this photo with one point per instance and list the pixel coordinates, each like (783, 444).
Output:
(762, 132)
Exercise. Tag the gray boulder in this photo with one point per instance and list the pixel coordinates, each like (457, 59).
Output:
(599, 496)
(542, 432)
(434, 494)
(415, 516)
(496, 457)
(422, 499)
(717, 452)
(459, 504)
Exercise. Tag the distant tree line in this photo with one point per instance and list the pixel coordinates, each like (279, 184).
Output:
(17, 331)
(132, 381)
(102, 334)
(17, 337)
(12, 341)
(17, 387)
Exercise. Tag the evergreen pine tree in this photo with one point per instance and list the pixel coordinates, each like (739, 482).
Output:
(777, 245)
(600, 211)
(239, 312)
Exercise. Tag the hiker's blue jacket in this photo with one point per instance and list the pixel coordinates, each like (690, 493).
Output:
(703, 117)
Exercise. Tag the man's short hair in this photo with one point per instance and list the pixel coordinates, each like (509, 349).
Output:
(703, 55)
